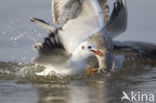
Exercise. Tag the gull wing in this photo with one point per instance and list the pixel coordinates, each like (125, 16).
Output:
(51, 51)
(89, 22)
(141, 49)
(64, 10)
(44, 25)
(117, 22)
(105, 8)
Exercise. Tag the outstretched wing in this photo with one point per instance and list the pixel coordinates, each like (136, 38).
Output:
(105, 8)
(64, 10)
(44, 25)
(139, 49)
(117, 22)
(51, 51)
(89, 22)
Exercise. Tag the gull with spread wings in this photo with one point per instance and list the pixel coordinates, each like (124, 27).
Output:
(115, 13)
(88, 20)
(57, 61)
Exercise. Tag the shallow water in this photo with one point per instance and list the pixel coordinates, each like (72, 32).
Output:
(18, 35)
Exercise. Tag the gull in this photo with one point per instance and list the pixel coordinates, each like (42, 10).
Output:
(88, 20)
(58, 62)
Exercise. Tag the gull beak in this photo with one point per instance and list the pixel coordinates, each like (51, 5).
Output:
(97, 52)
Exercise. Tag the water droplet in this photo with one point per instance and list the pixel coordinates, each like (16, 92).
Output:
(20, 64)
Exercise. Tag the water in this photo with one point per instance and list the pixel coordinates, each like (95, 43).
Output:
(18, 35)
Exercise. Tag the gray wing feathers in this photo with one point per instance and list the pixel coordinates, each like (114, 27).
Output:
(117, 22)
(51, 52)
(141, 49)
(44, 25)
(64, 10)
(50, 44)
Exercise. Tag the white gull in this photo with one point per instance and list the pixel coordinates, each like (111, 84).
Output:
(57, 61)
(86, 24)
(81, 20)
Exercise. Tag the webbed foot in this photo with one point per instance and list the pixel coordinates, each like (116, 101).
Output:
(91, 71)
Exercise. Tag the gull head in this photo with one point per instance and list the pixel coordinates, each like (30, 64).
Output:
(87, 49)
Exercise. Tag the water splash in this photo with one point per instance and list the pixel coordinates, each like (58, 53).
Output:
(17, 40)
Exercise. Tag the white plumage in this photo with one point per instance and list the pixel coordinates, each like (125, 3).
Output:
(83, 20)
(86, 24)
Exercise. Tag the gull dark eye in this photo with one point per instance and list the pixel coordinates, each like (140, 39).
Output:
(82, 47)
(89, 47)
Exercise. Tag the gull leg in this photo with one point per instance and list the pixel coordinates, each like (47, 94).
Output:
(108, 74)
(91, 71)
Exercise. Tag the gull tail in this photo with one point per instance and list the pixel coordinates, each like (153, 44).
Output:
(44, 25)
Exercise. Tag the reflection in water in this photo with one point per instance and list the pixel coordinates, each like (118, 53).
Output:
(135, 76)
(11, 92)
(138, 76)
(99, 89)
(53, 93)
(77, 91)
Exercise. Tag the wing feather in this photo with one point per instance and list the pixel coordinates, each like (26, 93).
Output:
(117, 22)
(89, 22)
(41, 23)
(105, 9)
(140, 49)
(51, 52)
(49, 45)
(64, 10)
